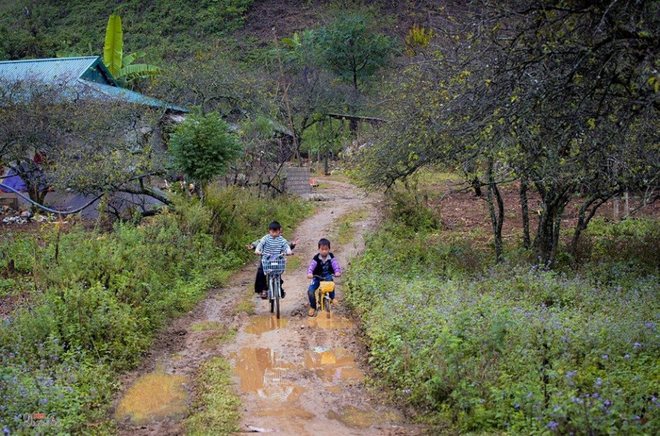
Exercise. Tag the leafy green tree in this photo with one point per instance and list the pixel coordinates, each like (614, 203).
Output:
(352, 48)
(203, 148)
(561, 97)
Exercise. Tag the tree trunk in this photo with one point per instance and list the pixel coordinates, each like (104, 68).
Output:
(585, 214)
(496, 215)
(547, 234)
(524, 209)
(476, 185)
(326, 164)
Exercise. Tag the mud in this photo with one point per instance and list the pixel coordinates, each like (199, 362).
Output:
(296, 376)
(153, 396)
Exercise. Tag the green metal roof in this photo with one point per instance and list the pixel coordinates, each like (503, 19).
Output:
(87, 72)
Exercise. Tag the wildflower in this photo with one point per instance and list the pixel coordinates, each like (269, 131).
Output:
(607, 403)
(595, 395)
(605, 357)
(571, 374)
(5, 431)
(516, 406)
(552, 425)
(649, 325)
(43, 401)
(577, 400)
(637, 345)
(599, 382)
(626, 356)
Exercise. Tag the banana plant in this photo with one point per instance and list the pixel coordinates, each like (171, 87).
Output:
(122, 67)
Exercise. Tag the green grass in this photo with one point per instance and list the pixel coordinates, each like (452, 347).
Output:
(293, 263)
(345, 225)
(204, 326)
(246, 304)
(217, 405)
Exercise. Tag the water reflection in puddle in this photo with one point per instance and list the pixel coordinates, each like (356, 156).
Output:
(332, 323)
(333, 365)
(153, 396)
(265, 323)
(261, 371)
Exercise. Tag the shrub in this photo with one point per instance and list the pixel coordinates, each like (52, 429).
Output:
(486, 348)
(406, 207)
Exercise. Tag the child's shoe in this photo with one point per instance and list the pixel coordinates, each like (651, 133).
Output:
(311, 312)
(264, 295)
(283, 293)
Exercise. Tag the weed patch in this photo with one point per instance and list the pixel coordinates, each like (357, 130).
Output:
(346, 225)
(217, 406)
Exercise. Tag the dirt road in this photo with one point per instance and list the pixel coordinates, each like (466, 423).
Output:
(297, 375)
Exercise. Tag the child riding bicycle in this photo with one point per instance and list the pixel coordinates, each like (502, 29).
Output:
(324, 266)
(272, 244)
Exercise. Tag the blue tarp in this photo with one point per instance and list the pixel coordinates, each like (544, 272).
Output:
(13, 181)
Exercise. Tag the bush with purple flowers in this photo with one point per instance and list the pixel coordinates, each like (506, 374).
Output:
(509, 348)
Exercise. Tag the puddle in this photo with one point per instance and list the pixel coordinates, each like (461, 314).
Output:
(153, 396)
(332, 323)
(265, 323)
(333, 365)
(260, 371)
(358, 418)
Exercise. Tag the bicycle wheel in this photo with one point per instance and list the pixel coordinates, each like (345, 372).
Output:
(270, 294)
(326, 302)
(276, 290)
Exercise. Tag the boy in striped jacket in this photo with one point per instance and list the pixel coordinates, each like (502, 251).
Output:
(271, 244)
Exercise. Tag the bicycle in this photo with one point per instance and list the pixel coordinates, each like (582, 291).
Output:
(274, 266)
(322, 294)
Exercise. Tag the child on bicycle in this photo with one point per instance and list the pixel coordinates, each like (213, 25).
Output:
(271, 244)
(322, 267)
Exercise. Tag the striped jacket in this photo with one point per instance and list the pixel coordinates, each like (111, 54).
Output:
(269, 246)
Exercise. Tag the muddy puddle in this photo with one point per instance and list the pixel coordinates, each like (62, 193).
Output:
(261, 371)
(357, 418)
(153, 396)
(332, 322)
(265, 323)
(333, 365)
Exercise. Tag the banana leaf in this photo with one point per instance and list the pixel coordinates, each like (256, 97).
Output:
(114, 45)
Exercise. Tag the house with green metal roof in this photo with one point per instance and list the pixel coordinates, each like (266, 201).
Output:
(87, 75)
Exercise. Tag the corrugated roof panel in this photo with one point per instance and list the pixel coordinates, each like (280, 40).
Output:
(52, 70)
(81, 74)
(127, 95)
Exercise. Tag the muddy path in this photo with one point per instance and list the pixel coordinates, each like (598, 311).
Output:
(297, 375)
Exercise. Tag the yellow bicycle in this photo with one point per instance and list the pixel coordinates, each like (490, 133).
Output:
(322, 294)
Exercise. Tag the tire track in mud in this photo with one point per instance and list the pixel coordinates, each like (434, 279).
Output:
(298, 376)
